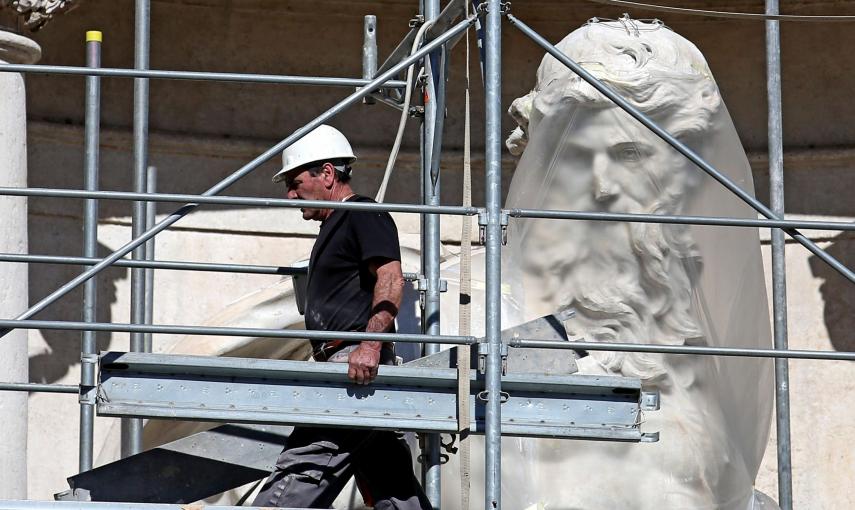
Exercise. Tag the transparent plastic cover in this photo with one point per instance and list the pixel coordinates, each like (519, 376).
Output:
(637, 282)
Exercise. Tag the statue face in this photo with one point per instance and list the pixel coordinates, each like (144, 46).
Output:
(607, 163)
(602, 162)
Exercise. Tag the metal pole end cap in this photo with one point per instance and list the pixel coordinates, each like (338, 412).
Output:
(94, 36)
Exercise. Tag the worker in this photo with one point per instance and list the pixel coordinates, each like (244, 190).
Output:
(354, 284)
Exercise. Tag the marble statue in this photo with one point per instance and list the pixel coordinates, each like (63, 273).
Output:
(37, 13)
(639, 282)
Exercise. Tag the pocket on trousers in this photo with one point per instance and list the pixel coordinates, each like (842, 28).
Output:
(308, 462)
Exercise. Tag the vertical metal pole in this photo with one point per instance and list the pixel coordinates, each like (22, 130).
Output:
(150, 220)
(779, 277)
(369, 50)
(493, 204)
(431, 145)
(88, 348)
(132, 430)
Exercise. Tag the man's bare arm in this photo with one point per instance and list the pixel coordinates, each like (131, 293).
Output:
(388, 292)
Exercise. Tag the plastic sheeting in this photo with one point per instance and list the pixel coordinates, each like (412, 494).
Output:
(634, 282)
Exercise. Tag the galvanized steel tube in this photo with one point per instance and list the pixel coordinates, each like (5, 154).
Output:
(291, 334)
(97, 505)
(493, 296)
(251, 201)
(132, 427)
(226, 331)
(198, 76)
(40, 388)
(150, 220)
(779, 275)
(241, 172)
(678, 145)
(369, 51)
(431, 153)
(685, 349)
(440, 209)
(680, 220)
(88, 348)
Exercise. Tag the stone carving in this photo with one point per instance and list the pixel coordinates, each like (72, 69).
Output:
(638, 282)
(37, 13)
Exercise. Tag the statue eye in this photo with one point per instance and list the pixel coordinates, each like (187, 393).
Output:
(628, 152)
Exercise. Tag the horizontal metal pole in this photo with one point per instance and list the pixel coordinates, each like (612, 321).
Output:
(681, 220)
(290, 334)
(98, 505)
(156, 264)
(287, 334)
(428, 209)
(679, 146)
(167, 264)
(40, 388)
(725, 14)
(197, 76)
(685, 349)
(245, 201)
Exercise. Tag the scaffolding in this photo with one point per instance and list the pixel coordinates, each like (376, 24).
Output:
(449, 25)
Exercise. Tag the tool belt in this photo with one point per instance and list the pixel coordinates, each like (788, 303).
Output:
(326, 350)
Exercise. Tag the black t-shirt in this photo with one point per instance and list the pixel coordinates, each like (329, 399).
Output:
(341, 288)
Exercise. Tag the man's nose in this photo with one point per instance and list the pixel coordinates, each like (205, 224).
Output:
(291, 193)
(604, 186)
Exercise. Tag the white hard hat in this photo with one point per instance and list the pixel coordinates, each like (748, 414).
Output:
(324, 143)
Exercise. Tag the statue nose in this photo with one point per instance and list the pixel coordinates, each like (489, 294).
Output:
(604, 187)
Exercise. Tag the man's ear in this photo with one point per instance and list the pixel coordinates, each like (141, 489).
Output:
(328, 173)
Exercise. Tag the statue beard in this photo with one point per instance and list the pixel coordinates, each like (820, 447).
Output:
(628, 282)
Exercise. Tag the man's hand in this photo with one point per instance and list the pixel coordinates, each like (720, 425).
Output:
(363, 362)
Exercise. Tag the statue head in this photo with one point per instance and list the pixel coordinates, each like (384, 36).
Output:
(629, 282)
(658, 71)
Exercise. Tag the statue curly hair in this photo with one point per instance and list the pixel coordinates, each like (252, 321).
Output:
(37, 13)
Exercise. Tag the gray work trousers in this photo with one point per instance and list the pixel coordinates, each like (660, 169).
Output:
(317, 462)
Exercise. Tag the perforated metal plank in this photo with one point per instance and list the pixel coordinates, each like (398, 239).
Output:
(401, 398)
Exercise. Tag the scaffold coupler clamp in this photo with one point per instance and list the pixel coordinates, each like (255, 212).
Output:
(88, 393)
(482, 227)
(423, 286)
(649, 402)
(485, 349)
(484, 7)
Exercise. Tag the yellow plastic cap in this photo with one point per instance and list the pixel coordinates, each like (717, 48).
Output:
(94, 35)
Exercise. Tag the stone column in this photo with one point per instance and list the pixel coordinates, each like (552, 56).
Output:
(14, 49)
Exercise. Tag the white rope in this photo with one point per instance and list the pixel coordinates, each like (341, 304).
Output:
(465, 323)
(725, 14)
(405, 113)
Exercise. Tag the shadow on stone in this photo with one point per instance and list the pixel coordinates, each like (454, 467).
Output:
(64, 346)
(838, 293)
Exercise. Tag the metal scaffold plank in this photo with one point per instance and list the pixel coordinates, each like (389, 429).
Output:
(401, 398)
(189, 469)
